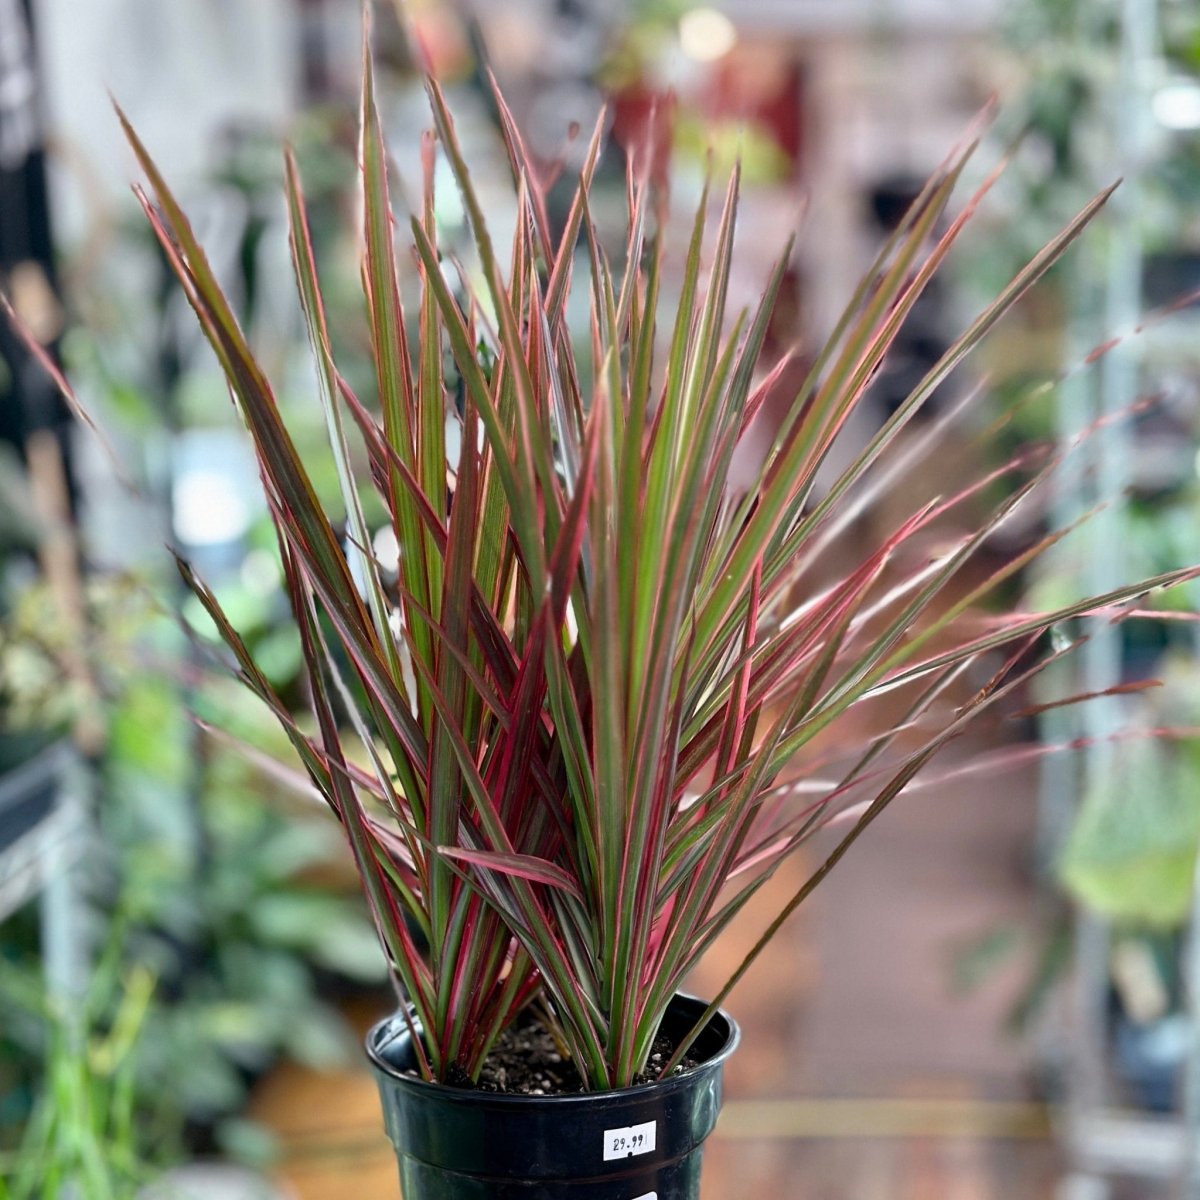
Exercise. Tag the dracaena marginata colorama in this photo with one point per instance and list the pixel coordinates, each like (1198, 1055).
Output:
(601, 656)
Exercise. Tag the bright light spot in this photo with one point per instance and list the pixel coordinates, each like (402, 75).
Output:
(1177, 106)
(260, 573)
(209, 511)
(706, 35)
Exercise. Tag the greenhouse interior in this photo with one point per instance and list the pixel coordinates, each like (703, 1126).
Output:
(365, 365)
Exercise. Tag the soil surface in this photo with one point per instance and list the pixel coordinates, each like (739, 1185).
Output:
(526, 1061)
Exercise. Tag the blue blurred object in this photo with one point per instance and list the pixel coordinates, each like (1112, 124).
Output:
(1149, 1058)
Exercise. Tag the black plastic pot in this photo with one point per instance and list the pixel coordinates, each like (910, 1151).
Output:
(639, 1143)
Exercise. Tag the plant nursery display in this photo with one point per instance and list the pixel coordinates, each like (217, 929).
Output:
(557, 725)
(220, 896)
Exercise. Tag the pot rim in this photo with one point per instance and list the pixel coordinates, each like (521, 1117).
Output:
(397, 1027)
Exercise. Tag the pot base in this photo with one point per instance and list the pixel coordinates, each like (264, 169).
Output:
(640, 1143)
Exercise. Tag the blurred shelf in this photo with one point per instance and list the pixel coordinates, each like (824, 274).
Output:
(34, 826)
(42, 833)
(1125, 1142)
(817, 17)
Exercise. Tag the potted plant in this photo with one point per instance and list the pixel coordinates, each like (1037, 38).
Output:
(557, 735)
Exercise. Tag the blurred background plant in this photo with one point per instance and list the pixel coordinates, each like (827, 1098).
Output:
(237, 925)
(80, 1138)
(226, 886)
(1096, 89)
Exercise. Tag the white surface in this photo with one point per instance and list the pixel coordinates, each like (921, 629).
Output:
(215, 1181)
(181, 70)
(833, 16)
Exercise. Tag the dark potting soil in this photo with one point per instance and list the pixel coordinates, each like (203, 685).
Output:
(526, 1061)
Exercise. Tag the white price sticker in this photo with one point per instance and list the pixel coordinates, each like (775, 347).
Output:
(630, 1141)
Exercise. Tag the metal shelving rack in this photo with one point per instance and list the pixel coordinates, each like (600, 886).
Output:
(1103, 1141)
(43, 829)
